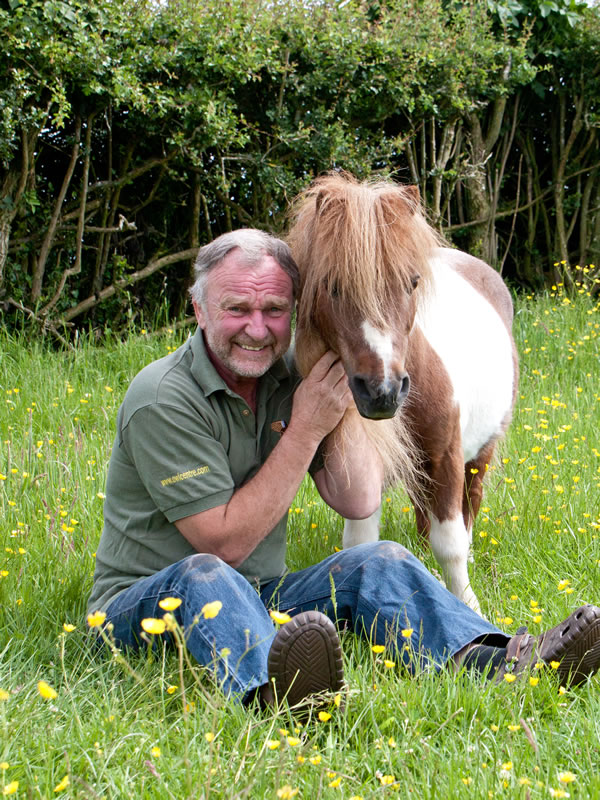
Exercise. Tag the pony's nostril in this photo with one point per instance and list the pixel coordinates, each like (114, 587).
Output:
(361, 387)
(404, 387)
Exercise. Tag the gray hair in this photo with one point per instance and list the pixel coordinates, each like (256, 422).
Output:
(254, 244)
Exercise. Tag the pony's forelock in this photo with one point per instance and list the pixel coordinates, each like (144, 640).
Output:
(367, 239)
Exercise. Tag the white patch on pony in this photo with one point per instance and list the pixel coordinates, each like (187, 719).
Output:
(472, 342)
(381, 344)
(360, 531)
(449, 542)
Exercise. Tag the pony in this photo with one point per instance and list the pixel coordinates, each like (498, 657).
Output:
(424, 334)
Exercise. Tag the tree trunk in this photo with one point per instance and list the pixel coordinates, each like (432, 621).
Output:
(40, 266)
(481, 237)
(11, 194)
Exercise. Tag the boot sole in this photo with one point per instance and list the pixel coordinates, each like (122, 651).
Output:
(581, 656)
(305, 658)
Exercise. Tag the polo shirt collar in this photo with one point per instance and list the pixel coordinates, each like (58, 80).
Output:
(208, 378)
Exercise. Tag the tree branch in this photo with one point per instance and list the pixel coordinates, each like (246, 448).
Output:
(123, 283)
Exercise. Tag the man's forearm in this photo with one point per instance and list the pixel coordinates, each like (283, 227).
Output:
(232, 531)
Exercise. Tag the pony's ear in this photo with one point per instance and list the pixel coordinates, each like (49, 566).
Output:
(413, 194)
(319, 200)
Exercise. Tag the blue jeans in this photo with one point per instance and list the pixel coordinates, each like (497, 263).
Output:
(378, 590)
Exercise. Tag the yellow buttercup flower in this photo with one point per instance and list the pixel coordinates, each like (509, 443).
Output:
(509, 677)
(96, 618)
(170, 603)
(60, 787)
(4, 695)
(10, 788)
(533, 681)
(279, 617)
(324, 716)
(407, 633)
(47, 692)
(211, 610)
(156, 752)
(566, 777)
(209, 736)
(68, 628)
(154, 626)
(286, 792)
(378, 648)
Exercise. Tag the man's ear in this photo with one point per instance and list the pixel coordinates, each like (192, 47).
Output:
(199, 313)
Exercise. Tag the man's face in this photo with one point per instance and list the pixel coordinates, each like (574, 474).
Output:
(246, 314)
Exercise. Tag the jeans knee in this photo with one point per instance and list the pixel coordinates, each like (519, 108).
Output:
(390, 550)
(383, 549)
(202, 566)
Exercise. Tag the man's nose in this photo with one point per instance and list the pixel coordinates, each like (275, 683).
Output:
(256, 327)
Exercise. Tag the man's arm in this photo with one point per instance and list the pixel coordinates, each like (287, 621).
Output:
(352, 478)
(232, 531)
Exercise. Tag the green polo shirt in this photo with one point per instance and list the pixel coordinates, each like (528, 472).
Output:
(185, 442)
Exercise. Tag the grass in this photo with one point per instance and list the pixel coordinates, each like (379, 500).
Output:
(119, 727)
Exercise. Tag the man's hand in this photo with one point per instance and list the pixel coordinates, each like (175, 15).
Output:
(321, 400)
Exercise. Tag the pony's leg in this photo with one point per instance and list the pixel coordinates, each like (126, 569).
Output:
(450, 542)
(448, 535)
(360, 531)
(473, 491)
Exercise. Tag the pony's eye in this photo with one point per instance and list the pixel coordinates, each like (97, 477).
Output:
(334, 290)
(414, 282)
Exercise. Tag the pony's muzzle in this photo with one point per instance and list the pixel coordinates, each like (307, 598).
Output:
(377, 400)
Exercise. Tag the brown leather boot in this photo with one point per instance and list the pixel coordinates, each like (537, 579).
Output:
(573, 644)
(305, 659)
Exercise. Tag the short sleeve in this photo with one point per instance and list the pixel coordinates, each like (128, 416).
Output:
(178, 458)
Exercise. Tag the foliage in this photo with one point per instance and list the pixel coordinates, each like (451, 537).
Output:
(132, 132)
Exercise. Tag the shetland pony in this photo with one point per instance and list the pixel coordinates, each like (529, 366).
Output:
(424, 334)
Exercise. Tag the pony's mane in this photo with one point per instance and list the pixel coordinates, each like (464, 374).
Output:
(367, 239)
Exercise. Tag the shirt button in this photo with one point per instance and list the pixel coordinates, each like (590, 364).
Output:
(245, 412)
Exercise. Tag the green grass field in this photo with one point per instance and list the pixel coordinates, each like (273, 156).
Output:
(151, 726)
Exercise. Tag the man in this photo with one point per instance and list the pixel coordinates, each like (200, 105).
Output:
(212, 444)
